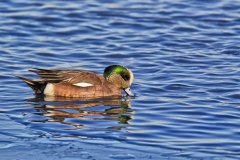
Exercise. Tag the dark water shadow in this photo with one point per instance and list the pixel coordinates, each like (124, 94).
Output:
(74, 113)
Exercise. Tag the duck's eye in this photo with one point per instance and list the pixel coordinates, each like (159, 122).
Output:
(126, 77)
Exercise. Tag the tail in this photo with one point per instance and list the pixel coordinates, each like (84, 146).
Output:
(37, 86)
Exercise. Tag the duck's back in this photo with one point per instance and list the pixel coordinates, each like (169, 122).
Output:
(74, 83)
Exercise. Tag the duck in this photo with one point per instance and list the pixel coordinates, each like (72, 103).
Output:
(81, 83)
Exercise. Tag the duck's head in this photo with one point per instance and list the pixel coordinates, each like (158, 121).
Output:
(120, 76)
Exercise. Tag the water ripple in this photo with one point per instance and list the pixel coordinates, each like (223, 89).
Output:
(185, 57)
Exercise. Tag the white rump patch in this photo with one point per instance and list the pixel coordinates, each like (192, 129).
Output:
(49, 90)
(83, 84)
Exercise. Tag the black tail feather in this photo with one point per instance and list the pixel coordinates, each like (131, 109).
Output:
(37, 86)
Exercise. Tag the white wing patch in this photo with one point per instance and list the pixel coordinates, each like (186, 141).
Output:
(83, 84)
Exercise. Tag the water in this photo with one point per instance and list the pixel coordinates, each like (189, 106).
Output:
(185, 57)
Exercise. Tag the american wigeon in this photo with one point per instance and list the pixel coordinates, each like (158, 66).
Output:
(82, 83)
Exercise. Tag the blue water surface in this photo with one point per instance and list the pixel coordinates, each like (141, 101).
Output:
(186, 59)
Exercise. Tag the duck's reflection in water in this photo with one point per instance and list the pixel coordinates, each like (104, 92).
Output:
(78, 112)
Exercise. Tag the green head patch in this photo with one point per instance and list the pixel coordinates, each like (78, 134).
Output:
(117, 69)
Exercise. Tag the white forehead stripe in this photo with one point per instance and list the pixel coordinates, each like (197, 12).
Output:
(83, 84)
(131, 76)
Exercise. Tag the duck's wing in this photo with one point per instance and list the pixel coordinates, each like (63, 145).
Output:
(74, 83)
(74, 77)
